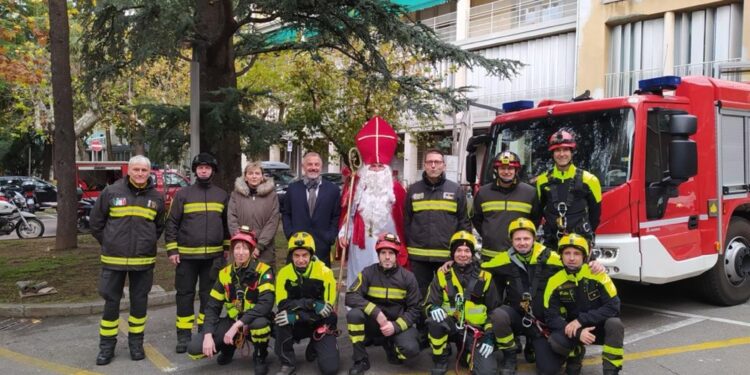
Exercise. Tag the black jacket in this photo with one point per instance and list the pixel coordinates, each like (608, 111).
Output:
(590, 298)
(432, 213)
(394, 292)
(127, 221)
(196, 227)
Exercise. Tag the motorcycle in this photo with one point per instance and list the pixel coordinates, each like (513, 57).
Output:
(84, 211)
(29, 194)
(24, 223)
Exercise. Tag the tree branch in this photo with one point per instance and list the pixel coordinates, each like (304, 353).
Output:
(247, 67)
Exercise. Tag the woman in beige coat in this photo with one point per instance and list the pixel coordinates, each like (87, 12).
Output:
(254, 203)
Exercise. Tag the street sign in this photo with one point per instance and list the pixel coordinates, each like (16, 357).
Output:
(289, 146)
(96, 145)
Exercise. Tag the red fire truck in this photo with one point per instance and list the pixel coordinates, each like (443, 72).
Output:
(673, 160)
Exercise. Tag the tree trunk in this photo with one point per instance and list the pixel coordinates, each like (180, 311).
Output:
(62, 92)
(217, 71)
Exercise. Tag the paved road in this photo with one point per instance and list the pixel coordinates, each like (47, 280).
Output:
(667, 332)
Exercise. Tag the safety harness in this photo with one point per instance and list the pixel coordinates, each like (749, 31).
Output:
(562, 207)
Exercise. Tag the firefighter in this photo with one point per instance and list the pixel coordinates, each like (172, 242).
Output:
(570, 197)
(582, 308)
(127, 219)
(306, 295)
(245, 289)
(384, 304)
(502, 201)
(457, 306)
(195, 235)
(435, 207)
(521, 274)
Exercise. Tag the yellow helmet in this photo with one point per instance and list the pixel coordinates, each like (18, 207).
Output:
(463, 238)
(521, 223)
(302, 240)
(574, 240)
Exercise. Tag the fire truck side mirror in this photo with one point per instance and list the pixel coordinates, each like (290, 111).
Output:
(471, 156)
(683, 152)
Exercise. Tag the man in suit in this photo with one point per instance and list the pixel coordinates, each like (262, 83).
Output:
(312, 205)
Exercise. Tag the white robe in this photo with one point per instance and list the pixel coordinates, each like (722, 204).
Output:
(359, 258)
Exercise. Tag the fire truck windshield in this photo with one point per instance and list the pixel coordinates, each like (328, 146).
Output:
(603, 138)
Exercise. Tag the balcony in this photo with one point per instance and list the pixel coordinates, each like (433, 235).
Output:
(444, 26)
(505, 15)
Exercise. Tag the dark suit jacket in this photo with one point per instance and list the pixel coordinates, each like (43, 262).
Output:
(323, 225)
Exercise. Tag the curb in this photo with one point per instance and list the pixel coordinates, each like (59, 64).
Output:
(48, 310)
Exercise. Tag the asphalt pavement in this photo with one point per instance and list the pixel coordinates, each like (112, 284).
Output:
(667, 332)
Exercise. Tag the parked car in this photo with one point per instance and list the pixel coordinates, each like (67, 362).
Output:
(46, 192)
(336, 178)
(281, 174)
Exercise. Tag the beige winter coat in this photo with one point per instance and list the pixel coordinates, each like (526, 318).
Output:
(259, 211)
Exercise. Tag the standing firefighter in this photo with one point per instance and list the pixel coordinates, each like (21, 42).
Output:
(306, 295)
(570, 197)
(435, 207)
(582, 308)
(245, 288)
(502, 201)
(127, 219)
(384, 302)
(195, 234)
(457, 307)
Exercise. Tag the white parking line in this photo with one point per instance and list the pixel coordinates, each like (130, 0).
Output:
(629, 339)
(688, 315)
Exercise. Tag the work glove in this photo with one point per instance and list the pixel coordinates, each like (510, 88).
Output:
(284, 318)
(323, 309)
(486, 347)
(438, 314)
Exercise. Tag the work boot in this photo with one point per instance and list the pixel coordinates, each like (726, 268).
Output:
(225, 356)
(508, 363)
(183, 339)
(260, 364)
(390, 353)
(360, 367)
(440, 365)
(106, 351)
(574, 362)
(135, 344)
(310, 353)
(287, 370)
(528, 352)
(609, 369)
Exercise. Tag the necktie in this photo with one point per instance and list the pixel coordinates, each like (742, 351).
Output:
(312, 195)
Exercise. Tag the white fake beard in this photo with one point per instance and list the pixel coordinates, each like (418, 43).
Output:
(375, 198)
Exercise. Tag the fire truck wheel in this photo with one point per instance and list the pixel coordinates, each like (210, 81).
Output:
(727, 283)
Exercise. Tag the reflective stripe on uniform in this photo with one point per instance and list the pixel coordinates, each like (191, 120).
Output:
(438, 344)
(435, 205)
(123, 211)
(136, 325)
(613, 355)
(121, 261)
(433, 253)
(199, 249)
(386, 293)
(203, 207)
(201, 317)
(219, 296)
(369, 308)
(489, 253)
(260, 335)
(506, 206)
(356, 332)
(185, 322)
(108, 328)
(402, 323)
(171, 245)
(507, 342)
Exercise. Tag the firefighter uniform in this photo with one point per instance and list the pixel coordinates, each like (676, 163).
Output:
(247, 294)
(395, 293)
(466, 294)
(298, 295)
(196, 229)
(571, 203)
(432, 213)
(592, 300)
(522, 279)
(495, 207)
(126, 220)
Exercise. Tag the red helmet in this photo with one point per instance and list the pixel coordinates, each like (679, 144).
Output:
(562, 138)
(508, 158)
(246, 235)
(388, 241)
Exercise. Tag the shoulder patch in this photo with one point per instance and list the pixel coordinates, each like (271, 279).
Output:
(118, 202)
(447, 195)
(417, 196)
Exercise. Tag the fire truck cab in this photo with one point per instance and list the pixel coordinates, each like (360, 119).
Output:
(673, 160)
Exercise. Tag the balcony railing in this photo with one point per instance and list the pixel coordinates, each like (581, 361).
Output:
(444, 26)
(706, 68)
(509, 14)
